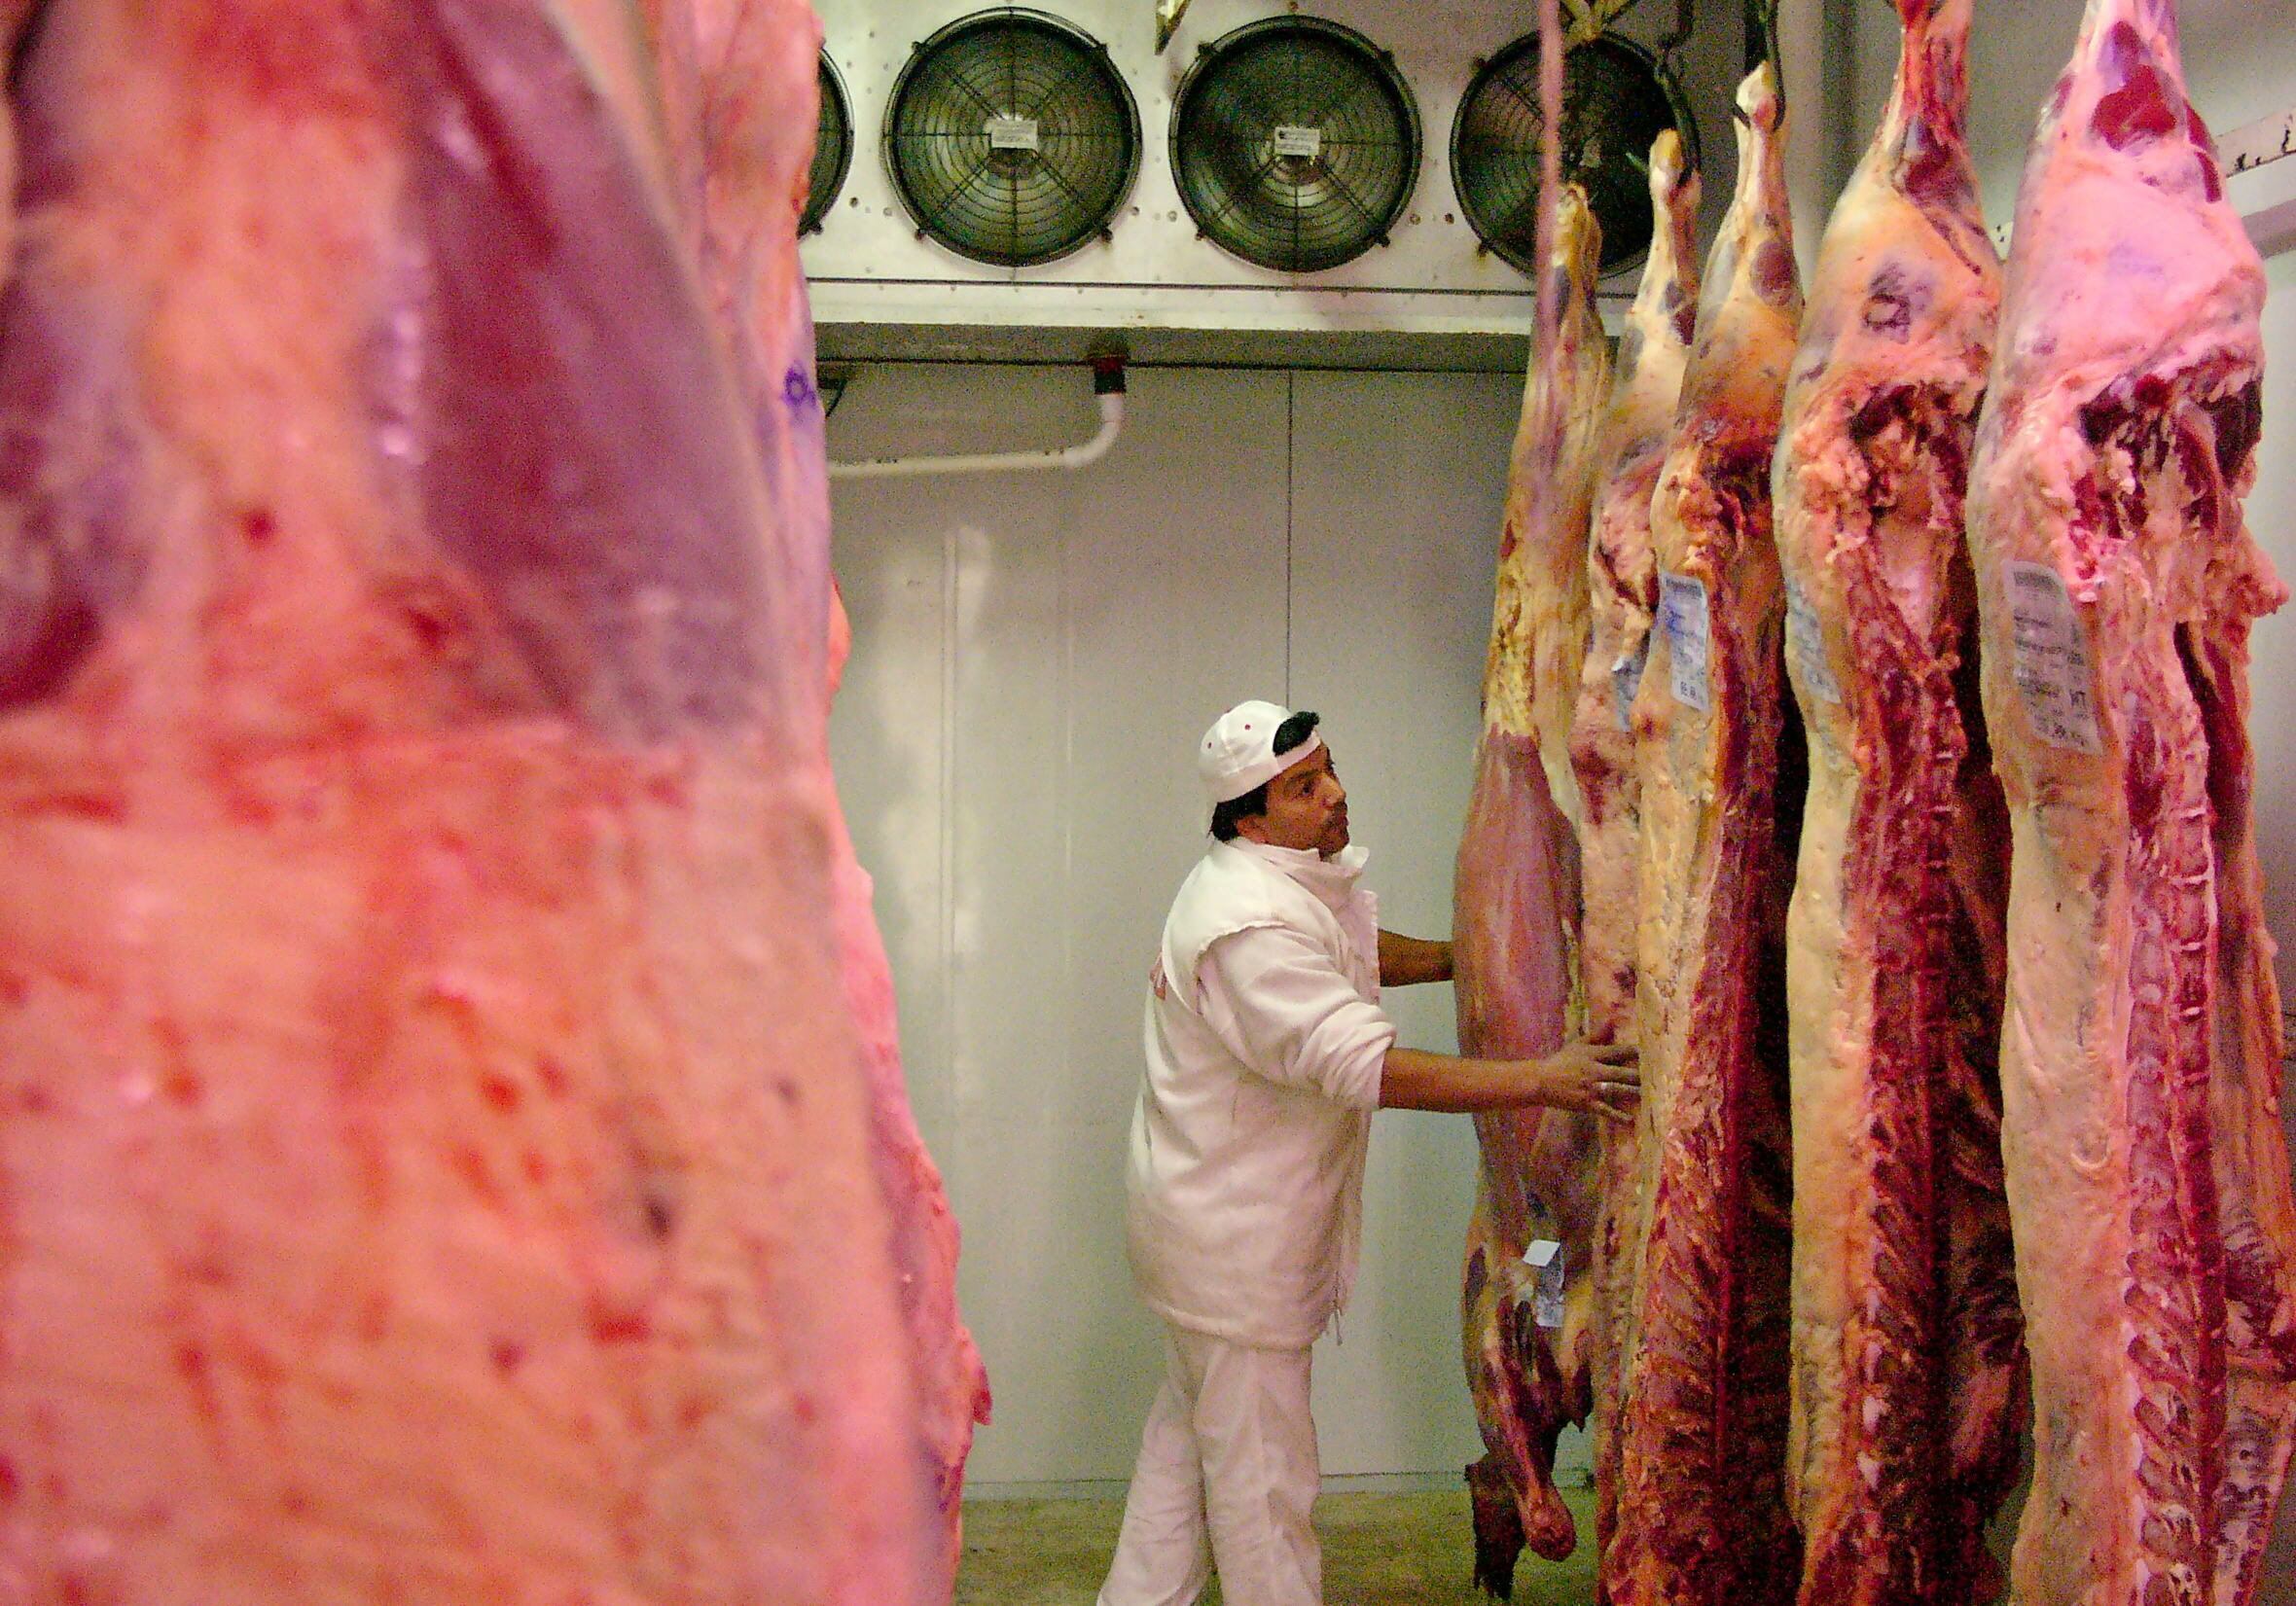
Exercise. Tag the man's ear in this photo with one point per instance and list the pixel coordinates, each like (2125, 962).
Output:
(1254, 828)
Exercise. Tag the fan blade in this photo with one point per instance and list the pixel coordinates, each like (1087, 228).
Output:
(1052, 170)
(1348, 97)
(1347, 193)
(949, 189)
(1232, 125)
(938, 76)
(1242, 189)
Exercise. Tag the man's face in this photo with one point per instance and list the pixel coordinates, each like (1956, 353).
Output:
(1307, 809)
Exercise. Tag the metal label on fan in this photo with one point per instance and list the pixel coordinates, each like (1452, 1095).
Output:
(1012, 133)
(1292, 140)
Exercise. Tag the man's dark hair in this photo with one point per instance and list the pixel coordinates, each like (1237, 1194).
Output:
(1288, 735)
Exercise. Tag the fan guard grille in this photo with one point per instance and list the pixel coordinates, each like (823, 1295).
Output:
(1011, 137)
(833, 150)
(1295, 143)
(1614, 104)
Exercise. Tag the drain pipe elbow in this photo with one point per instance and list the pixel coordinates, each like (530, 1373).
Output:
(1108, 391)
(1107, 387)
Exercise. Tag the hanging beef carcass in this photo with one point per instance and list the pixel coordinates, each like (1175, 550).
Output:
(1622, 594)
(436, 1167)
(951, 1382)
(715, 60)
(1524, 1324)
(2117, 582)
(1700, 1518)
(1907, 1361)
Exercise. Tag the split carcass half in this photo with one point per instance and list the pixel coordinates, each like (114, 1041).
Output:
(1538, 638)
(2117, 582)
(1701, 1516)
(1525, 1328)
(1908, 1375)
(435, 1167)
(1622, 594)
(714, 59)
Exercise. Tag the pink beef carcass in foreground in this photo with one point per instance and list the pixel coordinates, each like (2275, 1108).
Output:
(723, 61)
(1514, 919)
(2117, 583)
(435, 1166)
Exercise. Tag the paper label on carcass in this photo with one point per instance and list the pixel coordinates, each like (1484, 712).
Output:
(2048, 658)
(1294, 141)
(1012, 133)
(1806, 644)
(1626, 679)
(1545, 1255)
(1682, 616)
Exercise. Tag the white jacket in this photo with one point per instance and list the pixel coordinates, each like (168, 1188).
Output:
(1265, 1045)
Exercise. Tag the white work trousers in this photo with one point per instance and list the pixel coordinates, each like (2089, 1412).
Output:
(1229, 1452)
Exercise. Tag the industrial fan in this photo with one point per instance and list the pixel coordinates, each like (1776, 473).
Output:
(1295, 143)
(1616, 99)
(833, 149)
(1011, 137)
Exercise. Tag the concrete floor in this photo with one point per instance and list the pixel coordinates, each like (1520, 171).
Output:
(1378, 1549)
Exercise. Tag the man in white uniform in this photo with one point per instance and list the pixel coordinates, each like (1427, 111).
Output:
(1267, 1052)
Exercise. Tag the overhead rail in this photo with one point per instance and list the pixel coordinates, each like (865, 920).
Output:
(2254, 144)
(2259, 182)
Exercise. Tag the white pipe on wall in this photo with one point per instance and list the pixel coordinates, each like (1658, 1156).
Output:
(1108, 382)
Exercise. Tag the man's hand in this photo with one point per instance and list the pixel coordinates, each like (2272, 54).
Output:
(1600, 1078)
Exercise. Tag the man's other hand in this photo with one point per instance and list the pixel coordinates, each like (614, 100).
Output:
(1600, 1078)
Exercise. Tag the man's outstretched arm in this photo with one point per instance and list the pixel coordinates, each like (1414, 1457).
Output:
(1405, 960)
(1597, 1076)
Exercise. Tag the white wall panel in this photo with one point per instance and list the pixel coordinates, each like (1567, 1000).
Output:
(1399, 485)
(1093, 632)
(1035, 656)
(1087, 627)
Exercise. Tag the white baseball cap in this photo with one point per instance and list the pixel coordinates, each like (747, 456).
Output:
(1238, 752)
